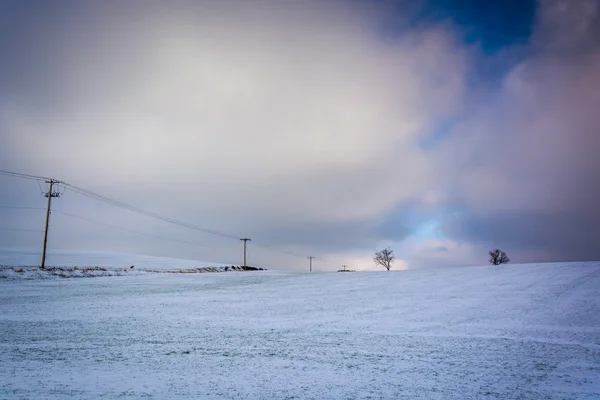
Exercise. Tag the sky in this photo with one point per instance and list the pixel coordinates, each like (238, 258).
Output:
(439, 128)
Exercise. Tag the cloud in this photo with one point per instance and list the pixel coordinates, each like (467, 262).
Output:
(308, 126)
(526, 173)
(261, 118)
(412, 253)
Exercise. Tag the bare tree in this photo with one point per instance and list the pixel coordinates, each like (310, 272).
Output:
(498, 257)
(385, 258)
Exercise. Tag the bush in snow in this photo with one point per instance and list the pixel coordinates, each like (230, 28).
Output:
(498, 257)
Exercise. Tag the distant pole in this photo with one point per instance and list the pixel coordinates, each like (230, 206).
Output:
(50, 194)
(244, 240)
(344, 266)
(310, 263)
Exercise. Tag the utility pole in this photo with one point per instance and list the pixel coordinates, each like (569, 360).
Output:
(344, 266)
(244, 240)
(50, 194)
(310, 262)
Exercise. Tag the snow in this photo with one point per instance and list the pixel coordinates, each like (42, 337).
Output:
(26, 257)
(505, 332)
(24, 264)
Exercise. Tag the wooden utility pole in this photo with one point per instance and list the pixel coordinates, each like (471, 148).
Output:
(310, 263)
(50, 194)
(244, 240)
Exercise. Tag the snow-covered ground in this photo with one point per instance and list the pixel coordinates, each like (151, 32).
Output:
(26, 257)
(23, 264)
(508, 332)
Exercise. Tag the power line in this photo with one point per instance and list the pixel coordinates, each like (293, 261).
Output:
(21, 230)
(138, 210)
(129, 230)
(279, 250)
(120, 204)
(147, 213)
(22, 208)
(23, 176)
(151, 214)
(40, 187)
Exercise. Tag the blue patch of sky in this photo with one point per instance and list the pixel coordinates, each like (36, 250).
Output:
(428, 231)
(490, 25)
(498, 29)
(410, 222)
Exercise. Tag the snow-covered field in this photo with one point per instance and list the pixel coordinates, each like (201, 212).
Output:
(509, 332)
(26, 257)
(23, 264)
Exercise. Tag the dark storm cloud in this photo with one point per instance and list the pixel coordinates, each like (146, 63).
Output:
(534, 236)
(333, 237)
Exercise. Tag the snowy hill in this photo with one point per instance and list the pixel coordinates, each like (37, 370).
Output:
(491, 332)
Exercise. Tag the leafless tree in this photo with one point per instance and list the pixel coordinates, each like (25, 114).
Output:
(498, 257)
(385, 258)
